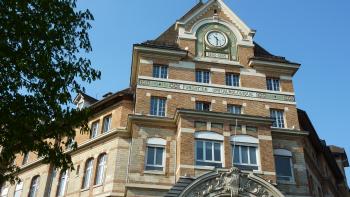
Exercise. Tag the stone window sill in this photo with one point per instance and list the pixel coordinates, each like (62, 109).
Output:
(154, 172)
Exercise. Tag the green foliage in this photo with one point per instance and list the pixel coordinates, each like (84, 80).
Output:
(41, 67)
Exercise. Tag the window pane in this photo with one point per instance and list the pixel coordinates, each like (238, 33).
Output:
(217, 152)
(155, 71)
(236, 154)
(164, 72)
(283, 167)
(198, 76)
(244, 152)
(217, 125)
(252, 155)
(159, 156)
(150, 155)
(199, 145)
(208, 151)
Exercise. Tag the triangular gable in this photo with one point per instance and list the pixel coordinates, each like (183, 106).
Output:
(187, 26)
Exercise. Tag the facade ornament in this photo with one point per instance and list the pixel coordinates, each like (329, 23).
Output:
(230, 183)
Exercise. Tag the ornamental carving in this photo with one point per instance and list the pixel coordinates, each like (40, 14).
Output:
(230, 183)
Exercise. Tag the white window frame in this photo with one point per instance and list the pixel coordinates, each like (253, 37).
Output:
(230, 75)
(160, 66)
(202, 76)
(109, 123)
(4, 191)
(18, 189)
(233, 105)
(62, 183)
(273, 81)
(89, 165)
(275, 111)
(94, 129)
(248, 141)
(157, 110)
(34, 186)
(285, 153)
(101, 169)
(203, 103)
(156, 143)
(207, 136)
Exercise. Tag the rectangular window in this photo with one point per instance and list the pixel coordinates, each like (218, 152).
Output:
(273, 84)
(251, 128)
(234, 109)
(107, 121)
(236, 127)
(157, 106)
(278, 118)
(154, 160)
(284, 167)
(94, 129)
(202, 106)
(232, 79)
(202, 76)
(200, 125)
(208, 153)
(217, 125)
(245, 157)
(160, 71)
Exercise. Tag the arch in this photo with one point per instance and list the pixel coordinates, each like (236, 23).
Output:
(156, 141)
(87, 173)
(282, 152)
(208, 135)
(230, 182)
(34, 186)
(245, 139)
(101, 168)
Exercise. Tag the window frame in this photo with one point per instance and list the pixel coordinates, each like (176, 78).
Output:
(229, 79)
(277, 120)
(286, 154)
(109, 124)
(101, 169)
(35, 182)
(25, 158)
(157, 111)
(246, 141)
(155, 143)
(97, 123)
(203, 103)
(201, 78)
(4, 191)
(18, 189)
(273, 84)
(160, 74)
(62, 186)
(208, 136)
(89, 165)
(234, 106)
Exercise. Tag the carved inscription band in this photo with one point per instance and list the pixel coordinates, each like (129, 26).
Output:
(216, 90)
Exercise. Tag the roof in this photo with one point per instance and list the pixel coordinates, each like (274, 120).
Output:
(86, 97)
(125, 94)
(320, 145)
(179, 186)
(262, 54)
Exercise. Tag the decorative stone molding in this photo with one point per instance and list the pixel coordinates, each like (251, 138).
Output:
(232, 183)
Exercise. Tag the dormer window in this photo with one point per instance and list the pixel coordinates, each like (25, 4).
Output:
(273, 84)
(160, 71)
(80, 105)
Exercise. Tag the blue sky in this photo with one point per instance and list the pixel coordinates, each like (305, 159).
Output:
(314, 33)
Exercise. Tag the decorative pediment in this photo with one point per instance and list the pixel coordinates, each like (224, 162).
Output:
(232, 183)
(215, 11)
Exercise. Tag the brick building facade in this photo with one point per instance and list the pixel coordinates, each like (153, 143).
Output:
(203, 97)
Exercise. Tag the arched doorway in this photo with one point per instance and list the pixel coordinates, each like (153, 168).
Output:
(230, 183)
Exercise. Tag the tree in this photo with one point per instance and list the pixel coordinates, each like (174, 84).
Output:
(42, 43)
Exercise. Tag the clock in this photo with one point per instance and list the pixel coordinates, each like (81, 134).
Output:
(216, 39)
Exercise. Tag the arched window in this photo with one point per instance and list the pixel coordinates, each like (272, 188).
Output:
(18, 189)
(101, 168)
(284, 165)
(87, 173)
(209, 149)
(245, 152)
(62, 183)
(34, 186)
(4, 191)
(155, 154)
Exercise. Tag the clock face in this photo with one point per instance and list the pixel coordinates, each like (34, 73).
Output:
(216, 39)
